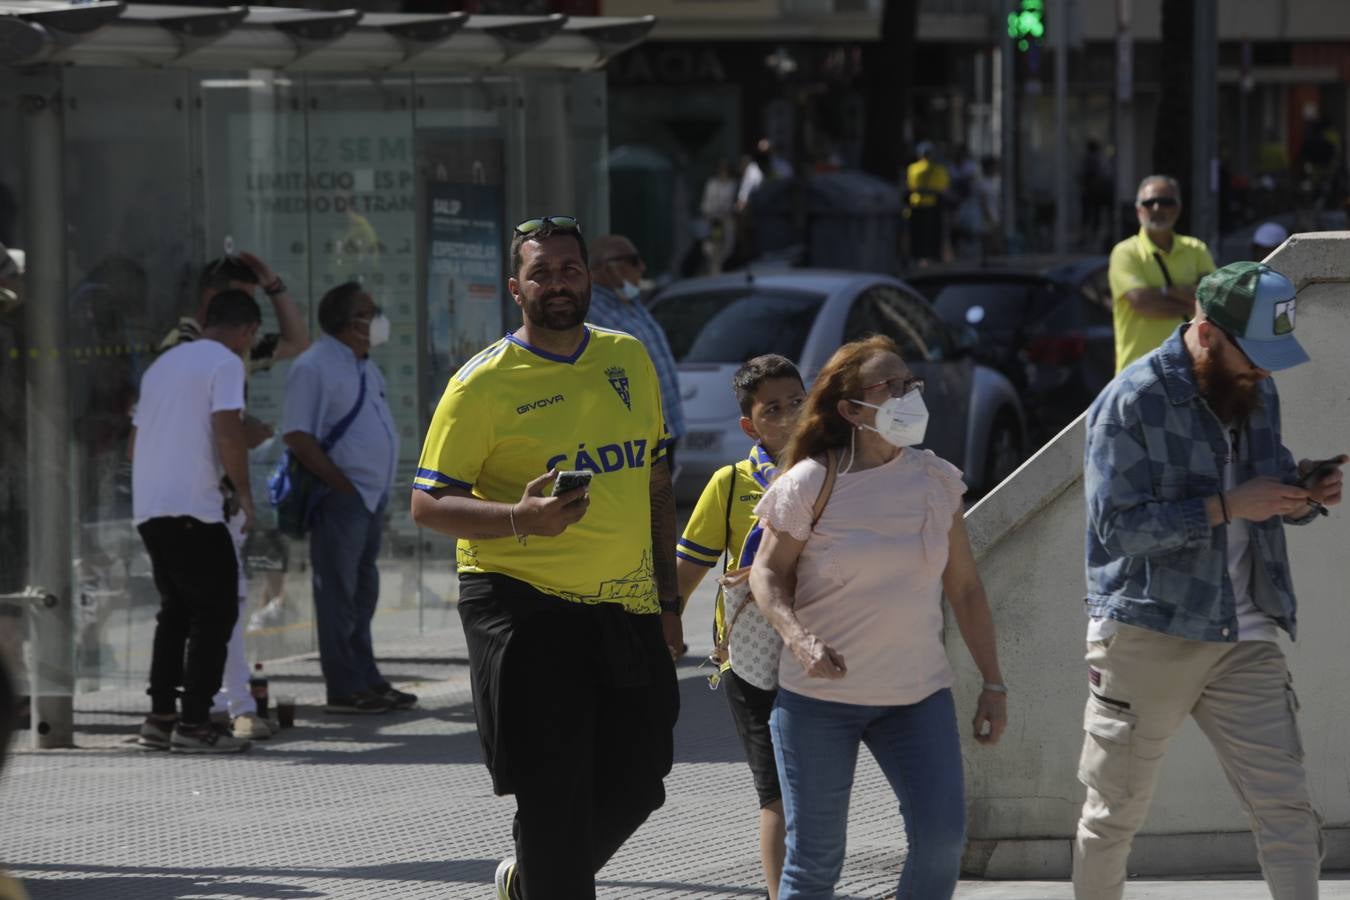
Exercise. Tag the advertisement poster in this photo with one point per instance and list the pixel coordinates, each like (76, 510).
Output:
(328, 203)
(465, 254)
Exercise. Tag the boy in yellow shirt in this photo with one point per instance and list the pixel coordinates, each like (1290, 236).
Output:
(770, 392)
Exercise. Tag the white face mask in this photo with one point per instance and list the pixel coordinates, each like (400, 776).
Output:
(901, 421)
(630, 291)
(379, 330)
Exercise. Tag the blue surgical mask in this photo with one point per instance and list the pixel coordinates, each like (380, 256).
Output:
(630, 291)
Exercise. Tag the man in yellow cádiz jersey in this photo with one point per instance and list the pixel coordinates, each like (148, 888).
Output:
(569, 602)
(770, 393)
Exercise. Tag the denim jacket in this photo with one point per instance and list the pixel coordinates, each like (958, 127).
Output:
(1154, 451)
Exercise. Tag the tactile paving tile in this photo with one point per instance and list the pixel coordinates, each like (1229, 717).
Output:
(369, 807)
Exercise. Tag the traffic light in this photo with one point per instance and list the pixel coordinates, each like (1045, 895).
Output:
(1026, 24)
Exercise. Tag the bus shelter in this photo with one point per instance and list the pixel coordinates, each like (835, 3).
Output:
(140, 142)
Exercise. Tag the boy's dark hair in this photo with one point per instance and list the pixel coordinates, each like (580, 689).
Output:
(232, 309)
(337, 306)
(755, 372)
(219, 273)
(547, 230)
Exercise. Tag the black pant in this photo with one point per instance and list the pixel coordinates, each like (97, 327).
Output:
(576, 707)
(198, 581)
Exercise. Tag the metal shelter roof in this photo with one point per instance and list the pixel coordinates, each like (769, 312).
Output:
(111, 33)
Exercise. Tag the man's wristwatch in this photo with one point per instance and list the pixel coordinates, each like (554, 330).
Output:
(672, 605)
(277, 286)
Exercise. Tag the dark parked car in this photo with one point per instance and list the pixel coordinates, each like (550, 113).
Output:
(714, 324)
(1048, 329)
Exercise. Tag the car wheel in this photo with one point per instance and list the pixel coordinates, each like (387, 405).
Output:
(1003, 453)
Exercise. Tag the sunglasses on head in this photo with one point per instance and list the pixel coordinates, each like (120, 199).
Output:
(1155, 202)
(560, 223)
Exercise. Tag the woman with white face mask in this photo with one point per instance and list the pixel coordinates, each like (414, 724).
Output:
(857, 599)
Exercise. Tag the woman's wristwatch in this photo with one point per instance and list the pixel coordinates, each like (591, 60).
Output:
(996, 688)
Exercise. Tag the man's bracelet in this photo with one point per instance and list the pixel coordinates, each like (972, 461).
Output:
(276, 287)
(511, 514)
(996, 688)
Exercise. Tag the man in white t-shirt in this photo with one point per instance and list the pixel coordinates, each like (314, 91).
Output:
(189, 432)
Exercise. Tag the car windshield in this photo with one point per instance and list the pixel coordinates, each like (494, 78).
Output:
(733, 326)
(987, 305)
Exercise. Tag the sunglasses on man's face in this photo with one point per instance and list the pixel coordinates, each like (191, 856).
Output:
(632, 259)
(1156, 202)
(561, 223)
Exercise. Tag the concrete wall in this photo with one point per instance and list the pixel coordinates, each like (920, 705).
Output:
(1028, 536)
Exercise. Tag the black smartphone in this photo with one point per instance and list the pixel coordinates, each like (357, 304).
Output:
(571, 480)
(1320, 469)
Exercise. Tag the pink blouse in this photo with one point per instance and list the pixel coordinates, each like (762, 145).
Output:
(869, 580)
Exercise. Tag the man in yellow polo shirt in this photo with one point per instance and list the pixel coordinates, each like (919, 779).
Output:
(1154, 273)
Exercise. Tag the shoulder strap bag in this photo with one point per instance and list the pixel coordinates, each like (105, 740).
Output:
(748, 640)
(293, 490)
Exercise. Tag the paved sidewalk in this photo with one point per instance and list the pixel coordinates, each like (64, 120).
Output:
(400, 806)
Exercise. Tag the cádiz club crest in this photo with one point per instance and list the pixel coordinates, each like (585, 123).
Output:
(618, 379)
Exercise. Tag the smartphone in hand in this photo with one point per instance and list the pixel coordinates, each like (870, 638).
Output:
(1320, 469)
(571, 480)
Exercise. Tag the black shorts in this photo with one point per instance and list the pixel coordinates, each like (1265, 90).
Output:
(750, 708)
(533, 657)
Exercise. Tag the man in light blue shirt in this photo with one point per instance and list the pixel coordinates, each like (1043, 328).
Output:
(616, 303)
(331, 383)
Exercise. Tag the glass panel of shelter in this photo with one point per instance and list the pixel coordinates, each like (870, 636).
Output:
(255, 182)
(129, 215)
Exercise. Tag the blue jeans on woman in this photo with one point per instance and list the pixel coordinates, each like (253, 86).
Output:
(919, 751)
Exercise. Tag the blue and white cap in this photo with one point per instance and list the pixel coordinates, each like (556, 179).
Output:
(1257, 306)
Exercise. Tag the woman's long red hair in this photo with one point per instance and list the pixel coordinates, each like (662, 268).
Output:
(820, 427)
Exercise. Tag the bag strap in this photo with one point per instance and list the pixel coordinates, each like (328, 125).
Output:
(731, 498)
(831, 472)
(341, 427)
(1167, 276)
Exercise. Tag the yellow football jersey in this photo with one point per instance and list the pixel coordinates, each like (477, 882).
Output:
(514, 412)
(724, 518)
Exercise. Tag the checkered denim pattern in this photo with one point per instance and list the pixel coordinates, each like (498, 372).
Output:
(608, 311)
(1154, 451)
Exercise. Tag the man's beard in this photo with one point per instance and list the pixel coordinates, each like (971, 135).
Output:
(1232, 397)
(560, 317)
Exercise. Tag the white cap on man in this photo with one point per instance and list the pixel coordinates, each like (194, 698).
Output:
(1269, 235)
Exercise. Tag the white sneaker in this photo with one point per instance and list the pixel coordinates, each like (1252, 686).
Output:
(271, 614)
(252, 727)
(506, 875)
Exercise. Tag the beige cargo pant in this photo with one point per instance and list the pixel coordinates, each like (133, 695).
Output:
(1143, 686)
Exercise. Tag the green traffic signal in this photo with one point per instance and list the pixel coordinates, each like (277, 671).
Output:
(1027, 24)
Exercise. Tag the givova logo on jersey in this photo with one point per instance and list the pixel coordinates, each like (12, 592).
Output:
(604, 458)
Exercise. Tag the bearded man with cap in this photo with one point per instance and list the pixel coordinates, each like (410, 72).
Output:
(1188, 489)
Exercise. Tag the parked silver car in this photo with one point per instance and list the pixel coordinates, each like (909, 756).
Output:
(714, 324)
